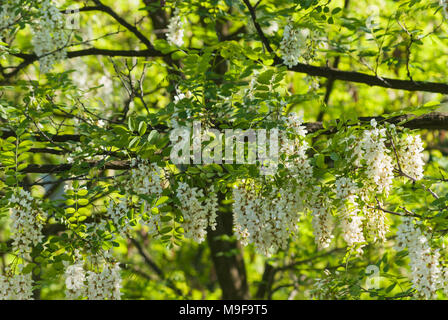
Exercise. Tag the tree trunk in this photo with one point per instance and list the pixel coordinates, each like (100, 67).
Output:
(228, 258)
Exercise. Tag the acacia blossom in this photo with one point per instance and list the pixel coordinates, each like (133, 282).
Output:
(351, 218)
(16, 287)
(49, 38)
(265, 220)
(75, 278)
(117, 212)
(376, 223)
(293, 44)
(296, 161)
(175, 29)
(410, 156)
(103, 282)
(198, 211)
(8, 15)
(104, 285)
(371, 150)
(145, 180)
(26, 222)
(426, 271)
(322, 220)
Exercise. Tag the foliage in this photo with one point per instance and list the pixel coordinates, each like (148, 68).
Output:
(90, 99)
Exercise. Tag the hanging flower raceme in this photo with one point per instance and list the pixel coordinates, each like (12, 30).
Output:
(293, 44)
(265, 220)
(175, 29)
(8, 15)
(118, 212)
(16, 287)
(49, 37)
(424, 262)
(299, 44)
(376, 223)
(75, 278)
(297, 161)
(410, 156)
(371, 152)
(103, 283)
(350, 214)
(27, 221)
(322, 221)
(145, 178)
(198, 211)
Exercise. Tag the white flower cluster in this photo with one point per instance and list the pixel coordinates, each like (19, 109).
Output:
(297, 161)
(175, 29)
(294, 123)
(26, 222)
(49, 38)
(8, 16)
(75, 278)
(424, 262)
(101, 285)
(268, 220)
(379, 164)
(410, 155)
(293, 44)
(300, 43)
(351, 220)
(198, 211)
(118, 213)
(16, 287)
(144, 179)
(105, 284)
(376, 224)
(322, 221)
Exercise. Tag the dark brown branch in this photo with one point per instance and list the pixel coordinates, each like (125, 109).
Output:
(29, 58)
(54, 168)
(124, 23)
(370, 80)
(406, 214)
(430, 121)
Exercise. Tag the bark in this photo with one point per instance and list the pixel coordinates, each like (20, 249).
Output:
(228, 258)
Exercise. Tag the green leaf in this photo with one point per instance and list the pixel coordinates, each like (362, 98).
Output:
(266, 77)
(320, 161)
(131, 124)
(336, 11)
(152, 136)
(166, 229)
(142, 128)
(82, 192)
(83, 202)
(134, 142)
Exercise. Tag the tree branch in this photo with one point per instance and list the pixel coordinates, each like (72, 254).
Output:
(350, 76)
